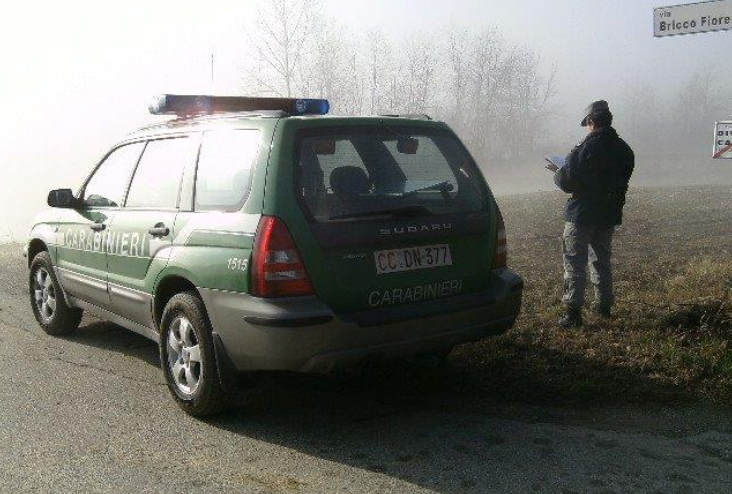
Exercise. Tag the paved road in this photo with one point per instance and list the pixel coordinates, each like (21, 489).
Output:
(90, 413)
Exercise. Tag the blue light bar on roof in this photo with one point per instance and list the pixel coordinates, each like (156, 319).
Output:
(189, 105)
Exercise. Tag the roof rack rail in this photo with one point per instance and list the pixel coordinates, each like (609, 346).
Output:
(254, 113)
(194, 119)
(415, 116)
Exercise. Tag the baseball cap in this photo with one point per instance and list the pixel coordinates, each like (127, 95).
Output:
(594, 107)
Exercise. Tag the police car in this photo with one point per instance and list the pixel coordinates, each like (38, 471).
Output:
(250, 234)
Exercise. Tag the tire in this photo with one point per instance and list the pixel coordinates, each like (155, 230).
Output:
(47, 299)
(188, 358)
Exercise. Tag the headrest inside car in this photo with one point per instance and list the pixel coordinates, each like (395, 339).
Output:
(407, 146)
(324, 147)
(349, 180)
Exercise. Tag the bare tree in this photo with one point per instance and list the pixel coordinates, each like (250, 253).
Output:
(643, 120)
(281, 37)
(486, 54)
(494, 95)
(458, 43)
(497, 96)
(421, 66)
(677, 124)
(527, 94)
(696, 105)
(323, 63)
(332, 68)
(394, 94)
(379, 61)
(353, 94)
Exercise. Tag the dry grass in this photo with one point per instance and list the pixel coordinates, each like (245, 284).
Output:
(672, 330)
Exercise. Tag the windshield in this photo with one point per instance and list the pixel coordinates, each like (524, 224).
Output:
(354, 173)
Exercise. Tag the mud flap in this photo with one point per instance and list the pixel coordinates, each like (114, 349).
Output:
(228, 375)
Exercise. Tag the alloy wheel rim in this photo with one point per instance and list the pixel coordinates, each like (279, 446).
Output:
(184, 356)
(44, 294)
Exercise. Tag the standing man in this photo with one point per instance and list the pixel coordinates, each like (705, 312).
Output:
(596, 173)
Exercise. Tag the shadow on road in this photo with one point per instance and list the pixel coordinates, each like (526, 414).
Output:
(452, 429)
(441, 428)
(108, 336)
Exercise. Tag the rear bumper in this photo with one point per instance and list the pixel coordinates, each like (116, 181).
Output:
(303, 334)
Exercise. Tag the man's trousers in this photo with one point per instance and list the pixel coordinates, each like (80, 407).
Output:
(583, 244)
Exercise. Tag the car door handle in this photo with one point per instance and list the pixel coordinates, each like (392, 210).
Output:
(159, 231)
(98, 227)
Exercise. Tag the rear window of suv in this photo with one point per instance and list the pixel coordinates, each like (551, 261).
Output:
(351, 173)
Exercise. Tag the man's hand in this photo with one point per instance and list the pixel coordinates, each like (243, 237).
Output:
(551, 166)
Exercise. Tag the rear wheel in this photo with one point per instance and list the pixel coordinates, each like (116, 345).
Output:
(47, 300)
(187, 357)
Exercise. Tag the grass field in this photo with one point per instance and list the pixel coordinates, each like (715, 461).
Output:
(671, 334)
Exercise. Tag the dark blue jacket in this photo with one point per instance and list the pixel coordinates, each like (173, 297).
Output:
(597, 174)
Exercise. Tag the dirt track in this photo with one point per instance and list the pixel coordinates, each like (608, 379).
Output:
(90, 413)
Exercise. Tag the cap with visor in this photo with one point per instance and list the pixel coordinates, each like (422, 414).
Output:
(594, 107)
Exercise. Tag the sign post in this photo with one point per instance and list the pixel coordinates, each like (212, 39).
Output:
(692, 18)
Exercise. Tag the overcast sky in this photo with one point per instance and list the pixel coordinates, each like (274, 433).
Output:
(78, 75)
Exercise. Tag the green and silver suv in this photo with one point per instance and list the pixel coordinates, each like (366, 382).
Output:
(260, 235)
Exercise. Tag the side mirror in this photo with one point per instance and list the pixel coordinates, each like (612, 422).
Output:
(61, 198)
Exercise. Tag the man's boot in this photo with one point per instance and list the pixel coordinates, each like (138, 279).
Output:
(572, 318)
(602, 311)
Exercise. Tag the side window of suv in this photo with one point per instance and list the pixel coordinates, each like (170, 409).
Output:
(106, 187)
(157, 180)
(224, 169)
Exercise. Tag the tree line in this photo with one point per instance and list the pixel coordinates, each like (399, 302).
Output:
(492, 93)
(496, 95)
(679, 122)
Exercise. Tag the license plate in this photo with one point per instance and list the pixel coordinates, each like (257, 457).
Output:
(411, 258)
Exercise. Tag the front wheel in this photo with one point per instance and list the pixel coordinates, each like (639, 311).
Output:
(47, 300)
(187, 357)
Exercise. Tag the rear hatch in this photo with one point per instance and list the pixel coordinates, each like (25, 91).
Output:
(397, 214)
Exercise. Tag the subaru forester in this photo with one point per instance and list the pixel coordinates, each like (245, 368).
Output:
(250, 234)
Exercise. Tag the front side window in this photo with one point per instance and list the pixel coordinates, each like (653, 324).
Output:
(369, 172)
(106, 188)
(224, 169)
(157, 180)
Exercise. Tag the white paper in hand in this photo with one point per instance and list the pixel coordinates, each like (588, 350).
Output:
(559, 161)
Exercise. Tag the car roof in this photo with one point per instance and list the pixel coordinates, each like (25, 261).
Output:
(206, 122)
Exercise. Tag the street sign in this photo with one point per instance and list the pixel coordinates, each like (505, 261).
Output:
(692, 18)
(722, 140)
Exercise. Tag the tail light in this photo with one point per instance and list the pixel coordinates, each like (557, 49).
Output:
(277, 268)
(500, 259)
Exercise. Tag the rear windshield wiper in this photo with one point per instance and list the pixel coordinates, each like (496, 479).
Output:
(444, 185)
(402, 212)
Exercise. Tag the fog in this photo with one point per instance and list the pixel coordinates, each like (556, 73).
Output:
(511, 78)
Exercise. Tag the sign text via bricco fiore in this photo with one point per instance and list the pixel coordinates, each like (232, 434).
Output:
(723, 140)
(692, 18)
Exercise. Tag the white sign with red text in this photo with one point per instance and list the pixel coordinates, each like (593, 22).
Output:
(723, 140)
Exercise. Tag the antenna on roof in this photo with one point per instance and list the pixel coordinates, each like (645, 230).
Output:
(212, 73)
